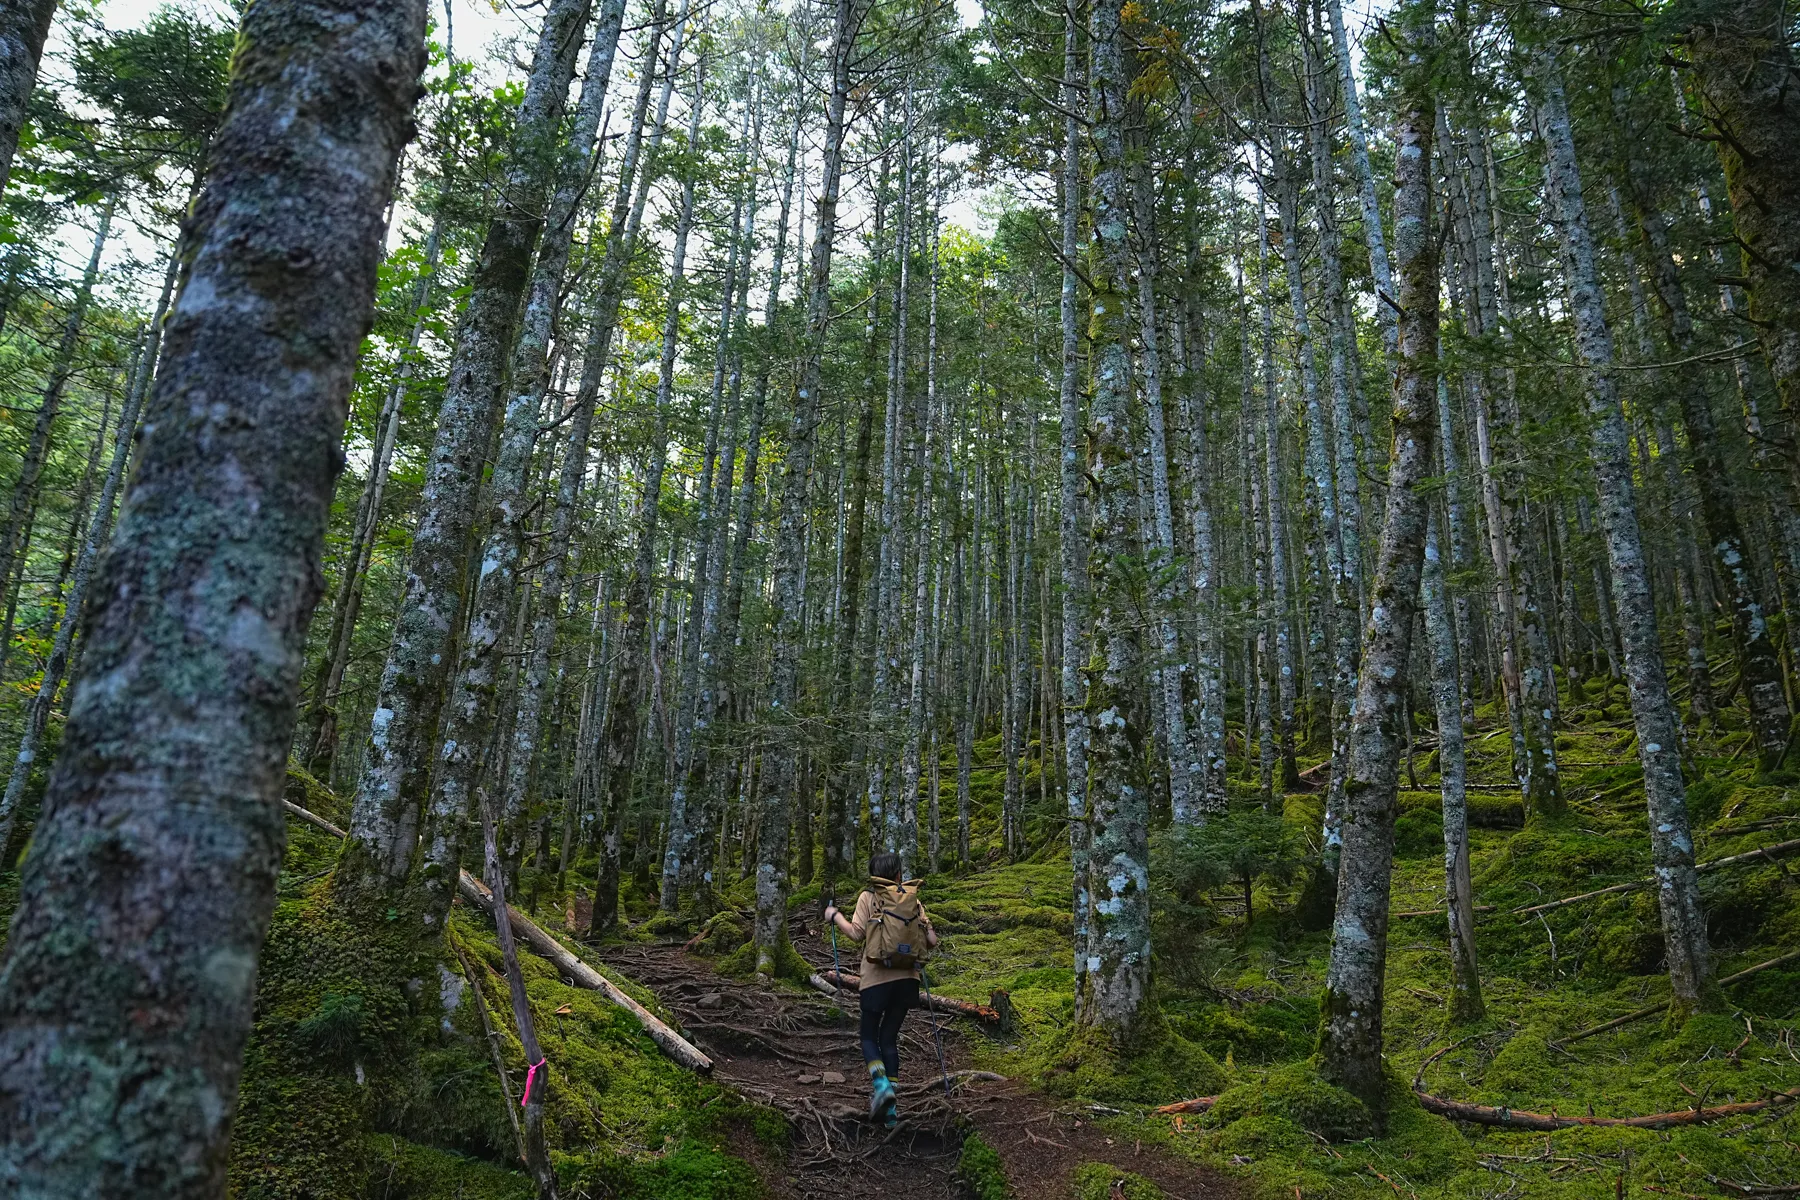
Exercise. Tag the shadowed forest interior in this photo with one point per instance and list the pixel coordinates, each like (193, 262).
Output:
(1283, 514)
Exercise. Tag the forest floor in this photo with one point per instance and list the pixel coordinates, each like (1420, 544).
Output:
(798, 1053)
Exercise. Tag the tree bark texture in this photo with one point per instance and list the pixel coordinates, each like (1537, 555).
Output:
(1653, 710)
(126, 990)
(1350, 1040)
(396, 776)
(24, 27)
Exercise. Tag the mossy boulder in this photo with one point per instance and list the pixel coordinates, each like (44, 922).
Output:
(1297, 1094)
(1164, 1066)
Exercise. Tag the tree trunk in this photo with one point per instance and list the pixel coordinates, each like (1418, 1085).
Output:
(1117, 978)
(1653, 712)
(1350, 1039)
(23, 30)
(1446, 694)
(790, 546)
(396, 775)
(37, 449)
(152, 875)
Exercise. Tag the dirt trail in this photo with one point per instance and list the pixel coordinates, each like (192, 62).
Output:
(764, 1043)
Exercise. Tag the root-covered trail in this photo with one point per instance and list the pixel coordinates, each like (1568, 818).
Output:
(798, 1053)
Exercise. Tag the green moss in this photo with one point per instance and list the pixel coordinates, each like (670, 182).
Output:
(1295, 1093)
(1165, 1065)
(405, 1170)
(1255, 1136)
(1094, 1181)
(981, 1170)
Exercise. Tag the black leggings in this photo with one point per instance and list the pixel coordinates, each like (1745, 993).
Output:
(883, 1009)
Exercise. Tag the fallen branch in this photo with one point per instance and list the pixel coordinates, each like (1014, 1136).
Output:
(1437, 912)
(672, 1043)
(1766, 854)
(1641, 1013)
(1198, 1104)
(1509, 1118)
(834, 984)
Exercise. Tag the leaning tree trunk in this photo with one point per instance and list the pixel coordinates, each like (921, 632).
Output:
(1350, 1039)
(402, 746)
(16, 534)
(128, 980)
(1653, 711)
(1117, 978)
(24, 26)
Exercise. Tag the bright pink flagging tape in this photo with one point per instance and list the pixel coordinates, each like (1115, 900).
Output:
(530, 1077)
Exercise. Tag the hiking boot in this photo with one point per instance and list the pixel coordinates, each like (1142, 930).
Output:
(883, 1101)
(892, 1120)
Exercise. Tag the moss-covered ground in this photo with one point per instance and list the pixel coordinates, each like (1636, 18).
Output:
(370, 1071)
(1239, 1010)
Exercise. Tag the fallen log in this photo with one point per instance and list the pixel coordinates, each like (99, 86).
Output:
(1198, 1104)
(1651, 1011)
(833, 984)
(1765, 854)
(672, 1043)
(1510, 1118)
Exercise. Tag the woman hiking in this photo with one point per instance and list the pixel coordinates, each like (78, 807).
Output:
(896, 935)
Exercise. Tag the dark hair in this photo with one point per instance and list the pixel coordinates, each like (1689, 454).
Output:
(885, 865)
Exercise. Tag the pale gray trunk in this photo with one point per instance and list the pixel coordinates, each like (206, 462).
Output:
(790, 546)
(530, 376)
(1117, 979)
(1350, 1039)
(1275, 521)
(151, 878)
(1653, 712)
(1365, 177)
(1073, 561)
(624, 722)
(1166, 568)
(1209, 665)
(1446, 695)
(396, 777)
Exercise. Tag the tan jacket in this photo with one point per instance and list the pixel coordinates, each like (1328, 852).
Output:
(873, 973)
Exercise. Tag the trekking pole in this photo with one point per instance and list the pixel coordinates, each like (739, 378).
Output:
(937, 1034)
(837, 968)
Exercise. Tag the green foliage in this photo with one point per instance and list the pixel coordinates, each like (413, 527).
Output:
(1094, 1181)
(981, 1170)
(1241, 846)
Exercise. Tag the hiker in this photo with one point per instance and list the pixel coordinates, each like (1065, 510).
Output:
(889, 922)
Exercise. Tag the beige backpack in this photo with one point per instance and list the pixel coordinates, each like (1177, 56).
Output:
(896, 935)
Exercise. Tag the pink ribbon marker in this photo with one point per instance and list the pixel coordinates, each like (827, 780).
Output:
(530, 1075)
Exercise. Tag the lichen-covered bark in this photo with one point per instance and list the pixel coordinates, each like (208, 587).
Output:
(1350, 1039)
(1117, 977)
(1073, 463)
(1744, 67)
(1652, 709)
(1446, 692)
(397, 764)
(24, 25)
(126, 989)
(780, 758)
(1759, 666)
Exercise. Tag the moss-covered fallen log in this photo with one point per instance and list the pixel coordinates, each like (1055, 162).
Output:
(671, 1043)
